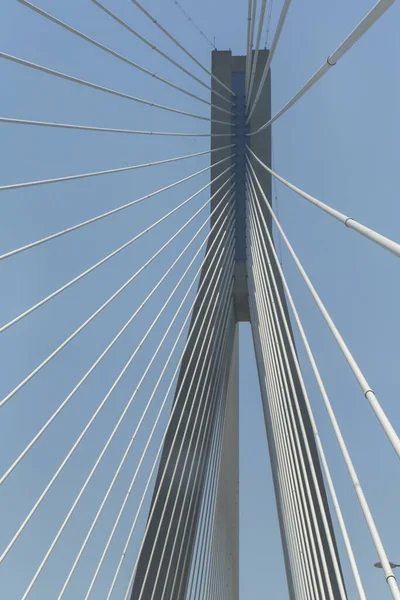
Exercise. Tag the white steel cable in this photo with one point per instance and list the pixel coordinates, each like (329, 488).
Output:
(271, 4)
(81, 436)
(157, 456)
(106, 129)
(325, 465)
(189, 18)
(374, 14)
(156, 49)
(302, 528)
(349, 222)
(248, 73)
(14, 186)
(248, 45)
(126, 60)
(95, 86)
(279, 27)
(81, 327)
(257, 48)
(175, 41)
(121, 331)
(322, 507)
(98, 514)
(190, 478)
(227, 288)
(115, 252)
(87, 481)
(368, 392)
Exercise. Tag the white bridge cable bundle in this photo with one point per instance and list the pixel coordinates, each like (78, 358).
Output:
(272, 318)
(387, 569)
(263, 233)
(362, 381)
(346, 455)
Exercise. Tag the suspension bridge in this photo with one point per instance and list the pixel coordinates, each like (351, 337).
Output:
(126, 293)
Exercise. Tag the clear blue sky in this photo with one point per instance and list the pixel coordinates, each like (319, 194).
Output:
(340, 143)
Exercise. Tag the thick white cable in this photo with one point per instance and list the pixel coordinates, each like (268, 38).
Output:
(325, 465)
(116, 54)
(106, 129)
(226, 292)
(111, 485)
(351, 223)
(279, 27)
(156, 49)
(183, 469)
(321, 504)
(95, 86)
(115, 252)
(122, 330)
(368, 393)
(248, 45)
(304, 551)
(14, 186)
(210, 338)
(85, 323)
(87, 481)
(374, 14)
(214, 304)
(175, 41)
(257, 49)
(83, 433)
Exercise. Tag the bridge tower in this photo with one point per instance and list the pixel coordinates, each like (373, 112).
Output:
(194, 516)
